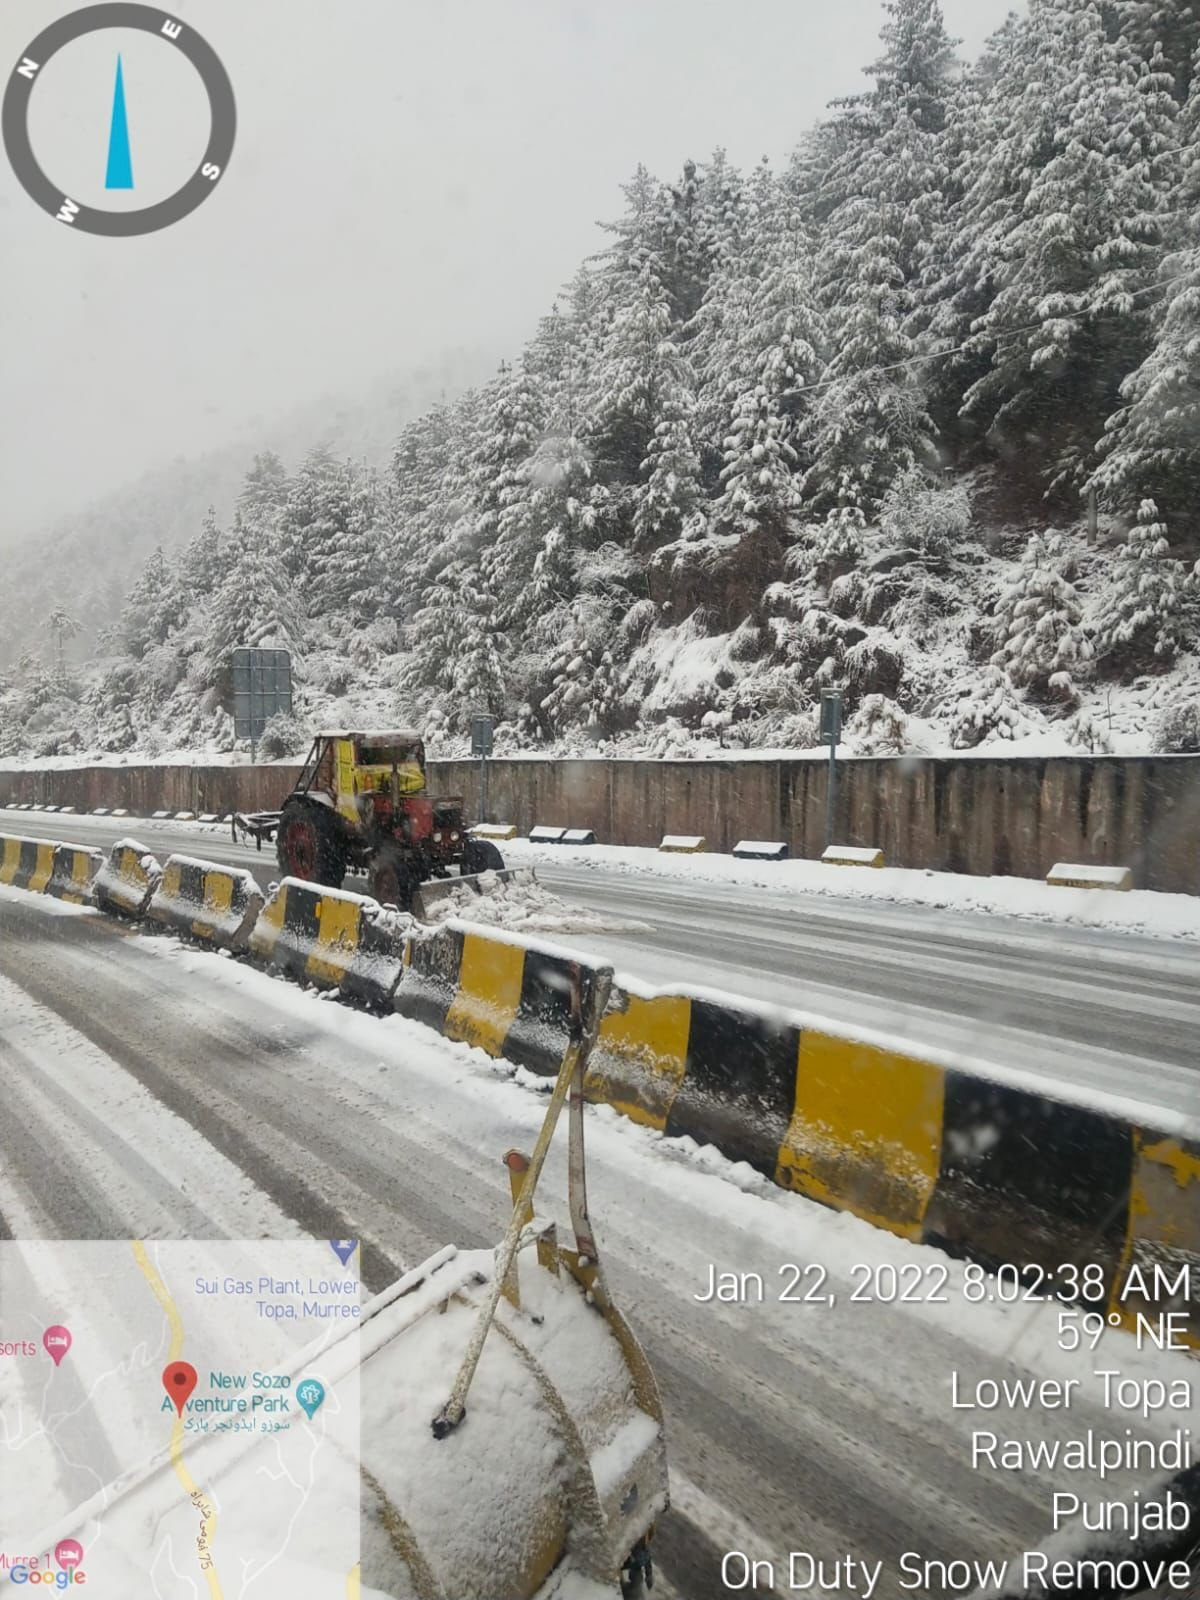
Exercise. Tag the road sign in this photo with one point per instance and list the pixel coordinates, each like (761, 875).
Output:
(831, 716)
(262, 687)
(481, 736)
(160, 153)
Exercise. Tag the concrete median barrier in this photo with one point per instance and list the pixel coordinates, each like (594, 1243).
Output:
(127, 880)
(74, 872)
(204, 901)
(26, 863)
(506, 994)
(333, 940)
(922, 1147)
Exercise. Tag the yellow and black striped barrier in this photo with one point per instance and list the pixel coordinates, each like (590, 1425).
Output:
(922, 1148)
(127, 880)
(333, 940)
(213, 904)
(26, 863)
(508, 995)
(74, 872)
(63, 871)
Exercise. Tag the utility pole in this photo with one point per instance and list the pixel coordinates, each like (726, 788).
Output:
(831, 730)
(481, 746)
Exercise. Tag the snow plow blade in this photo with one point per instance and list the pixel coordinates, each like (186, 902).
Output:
(511, 1429)
(461, 891)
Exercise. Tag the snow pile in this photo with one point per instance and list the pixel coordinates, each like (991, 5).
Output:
(520, 905)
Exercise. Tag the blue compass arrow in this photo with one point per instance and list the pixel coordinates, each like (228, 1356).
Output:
(120, 160)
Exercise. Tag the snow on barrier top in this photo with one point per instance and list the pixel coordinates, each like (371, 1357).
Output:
(1069, 876)
(578, 836)
(683, 843)
(542, 835)
(333, 939)
(853, 855)
(127, 879)
(761, 850)
(203, 900)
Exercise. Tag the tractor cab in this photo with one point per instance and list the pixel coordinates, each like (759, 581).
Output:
(366, 775)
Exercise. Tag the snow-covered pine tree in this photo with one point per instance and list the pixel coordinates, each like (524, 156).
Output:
(870, 420)
(477, 671)
(256, 605)
(1147, 616)
(1042, 646)
(152, 608)
(327, 535)
(988, 711)
(629, 382)
(1070, 315)
(512, 425)
(669, 501)
(202, 564)
(759, 491)
(1152, 443)
(265, 488)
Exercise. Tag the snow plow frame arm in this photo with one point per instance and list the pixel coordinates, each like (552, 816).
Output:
(590, 991)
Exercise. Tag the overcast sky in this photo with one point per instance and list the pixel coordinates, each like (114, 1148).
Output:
(408, 179)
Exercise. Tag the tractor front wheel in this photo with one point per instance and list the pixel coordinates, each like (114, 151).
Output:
(310, 846)
(480, 855)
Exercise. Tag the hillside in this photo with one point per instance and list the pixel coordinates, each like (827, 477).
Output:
(918, 414)
(100, 550)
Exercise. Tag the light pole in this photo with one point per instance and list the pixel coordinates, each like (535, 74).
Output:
(831, 729)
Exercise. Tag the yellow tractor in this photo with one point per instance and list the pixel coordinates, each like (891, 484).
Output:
(361, 804)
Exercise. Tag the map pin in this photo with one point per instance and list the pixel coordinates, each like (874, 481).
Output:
(179, 1379)
(68, 1553)
(343, 1249)
(310, 1395)
(56, 1341)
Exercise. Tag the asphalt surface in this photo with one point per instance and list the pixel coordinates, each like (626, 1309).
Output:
(1100, 1012)
(150, 1092)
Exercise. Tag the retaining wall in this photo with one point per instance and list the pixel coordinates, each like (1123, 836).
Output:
(1013, 816)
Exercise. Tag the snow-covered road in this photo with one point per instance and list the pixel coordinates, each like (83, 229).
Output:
(154, 1091)
(1114, 1011)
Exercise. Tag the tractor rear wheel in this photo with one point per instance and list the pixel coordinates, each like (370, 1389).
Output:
(392, 880)
(310, 846)
(480, 855)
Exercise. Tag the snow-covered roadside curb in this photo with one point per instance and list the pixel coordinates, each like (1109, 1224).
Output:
(1143, 911)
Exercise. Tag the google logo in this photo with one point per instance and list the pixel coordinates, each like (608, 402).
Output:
(54, 1580)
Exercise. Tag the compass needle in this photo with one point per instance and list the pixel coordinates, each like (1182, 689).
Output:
(120, 158)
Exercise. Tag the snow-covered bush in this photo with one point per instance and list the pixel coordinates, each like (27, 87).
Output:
(880, 727)
(1178, 730)
(1087, 732)
(1038, 623)
(988, 711)
(838, 543)
(1145, 620)
(284, 735)
(923, 516)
